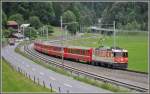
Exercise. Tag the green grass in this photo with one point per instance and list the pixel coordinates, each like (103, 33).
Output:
(107, 86)
(13, 81)
(135, 43)
(57, 31)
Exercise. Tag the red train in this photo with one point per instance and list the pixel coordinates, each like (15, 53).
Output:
(108, 57)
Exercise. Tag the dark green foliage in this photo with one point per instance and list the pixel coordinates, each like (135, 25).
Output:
(69, 18)
(35, 22)
(4, 19)
(126, 14)
(75, 9)
(44, 11)
(17, 17)
(31, 32)
(131, 15)
(50, 29)
(6, 33)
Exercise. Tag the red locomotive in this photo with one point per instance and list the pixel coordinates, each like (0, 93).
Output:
(108, 57)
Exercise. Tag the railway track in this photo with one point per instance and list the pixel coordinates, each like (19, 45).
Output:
(106, 69)
(58, 41)
(79, 71)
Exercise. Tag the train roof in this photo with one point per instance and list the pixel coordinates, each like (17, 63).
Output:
(80, 47)
(119, 50)
(60, 45)
(114, 49)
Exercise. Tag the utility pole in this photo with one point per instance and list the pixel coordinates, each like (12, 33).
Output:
(42, 31)
(62, 48)
(61, 23)
(30, 33)
(47, 32)
(114, 35)
(23, 33)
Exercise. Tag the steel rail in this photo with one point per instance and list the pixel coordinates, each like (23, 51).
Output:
(78, 71)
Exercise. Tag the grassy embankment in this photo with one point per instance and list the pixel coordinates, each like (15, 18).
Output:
(135, 43)
(13, 81)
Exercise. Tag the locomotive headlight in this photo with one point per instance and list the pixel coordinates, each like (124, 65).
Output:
(121, 59)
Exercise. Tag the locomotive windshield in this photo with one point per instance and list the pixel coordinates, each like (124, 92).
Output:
(120, 54)
(117, 54)
(125, 54)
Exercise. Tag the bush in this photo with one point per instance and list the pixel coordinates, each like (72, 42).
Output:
(132, 26)
(35, 22)
(31, 33)
(50, 29)
(7, 32)
(17, 17)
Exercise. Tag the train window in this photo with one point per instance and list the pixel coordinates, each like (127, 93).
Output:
(86, 52)
(83, 52)
(118, 54)
(78, 51)
(109, 54)
(125, 54)
(70, 50)
(101, 53)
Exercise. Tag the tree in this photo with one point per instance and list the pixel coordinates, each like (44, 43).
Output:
(86, 16)
(59, 8)
(17, 17)
(31, 32)
(74, 8)
(6, 33)
(86, 13)
(35, 22)
(132, 26)
(69, 17)
(127, 13)
(50, 29)
(73, 28)
(4, 19)
(45, 12)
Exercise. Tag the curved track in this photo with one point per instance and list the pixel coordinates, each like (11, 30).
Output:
(131, 80)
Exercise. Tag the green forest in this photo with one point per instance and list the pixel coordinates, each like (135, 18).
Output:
(128, 15)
